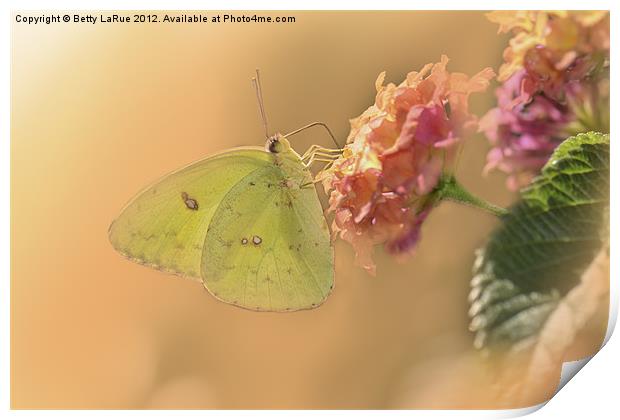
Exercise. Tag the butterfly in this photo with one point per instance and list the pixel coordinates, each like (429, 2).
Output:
(247, 222)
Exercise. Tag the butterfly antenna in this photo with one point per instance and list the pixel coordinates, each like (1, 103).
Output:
(322, 124)
(259, 98)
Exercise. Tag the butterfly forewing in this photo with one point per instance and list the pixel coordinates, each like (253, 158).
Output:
(165, 225)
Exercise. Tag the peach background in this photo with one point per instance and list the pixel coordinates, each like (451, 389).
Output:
(99, 111)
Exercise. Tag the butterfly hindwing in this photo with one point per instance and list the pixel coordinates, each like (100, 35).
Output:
(268, 246)
(165, 225)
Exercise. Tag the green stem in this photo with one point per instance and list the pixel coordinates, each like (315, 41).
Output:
(449, 189)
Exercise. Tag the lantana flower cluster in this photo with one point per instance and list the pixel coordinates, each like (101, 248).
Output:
(555, 84)
(380, 189)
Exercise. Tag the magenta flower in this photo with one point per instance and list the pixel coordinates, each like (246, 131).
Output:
(523, 134)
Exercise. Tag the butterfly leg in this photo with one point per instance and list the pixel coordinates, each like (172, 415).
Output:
(309, 151)
(315, 159)
(309, 184)
(321, 124)
(328, 161)
(320, 154)
(316, 147)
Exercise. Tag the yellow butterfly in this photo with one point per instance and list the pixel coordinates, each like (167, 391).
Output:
(247, 221)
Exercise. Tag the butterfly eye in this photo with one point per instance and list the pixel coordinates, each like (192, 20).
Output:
(274, 145)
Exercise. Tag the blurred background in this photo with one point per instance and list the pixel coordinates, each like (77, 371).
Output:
(100, 111)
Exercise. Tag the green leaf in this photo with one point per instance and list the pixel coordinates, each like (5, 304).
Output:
(544, 245)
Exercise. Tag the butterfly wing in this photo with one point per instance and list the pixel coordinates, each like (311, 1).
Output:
(268, 247)
(165, 225)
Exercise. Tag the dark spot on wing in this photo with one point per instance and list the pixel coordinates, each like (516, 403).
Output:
(190, 203)
(244, 241)
(286, 183)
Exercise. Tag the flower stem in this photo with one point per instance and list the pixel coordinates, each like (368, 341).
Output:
(450, 189)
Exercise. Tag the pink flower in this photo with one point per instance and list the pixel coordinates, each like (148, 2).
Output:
(563, 35)
(381, 187)
(556, 84)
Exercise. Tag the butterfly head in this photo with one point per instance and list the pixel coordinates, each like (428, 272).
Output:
(277, 144)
